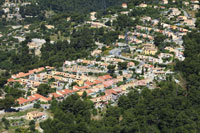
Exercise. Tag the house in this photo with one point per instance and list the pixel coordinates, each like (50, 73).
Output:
(109, 83)
(104, 78)
(143, 5)
(56, 95)
(170, 49)
(182, 18)
(149, 49)
(49, 27)
(124, 12)
(164, 2)
(77, 88)
(37, 97)
(69, 63)
(189, 22)
(194, 1)
(88, 83)
(186, 3)
(121, 37)
(131, 64)
(146, 18)
(113, 93)
(155, 22)
(65, 92)
(141, 83)
(195, 6)
(21, 101)
(35, 115)
(96, 24)
(22, 75)
(124, 5)
(92, 16)
(96, 52)
(165, 55)
(174, 11)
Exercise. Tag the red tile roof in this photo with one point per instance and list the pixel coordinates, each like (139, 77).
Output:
(108, 83)
(22, 100)
(65, 91)
(37, 97)
(110, 91)
(32, 98)
(56, 95)
(80, 88)
(105, 77)
(89, 83)
(89, 91)
(97, 82)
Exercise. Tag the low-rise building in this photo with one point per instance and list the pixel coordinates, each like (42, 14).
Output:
(35, 115)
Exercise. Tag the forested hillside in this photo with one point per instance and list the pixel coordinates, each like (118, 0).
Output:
(79, 6)
(168, 108)
(51, 54)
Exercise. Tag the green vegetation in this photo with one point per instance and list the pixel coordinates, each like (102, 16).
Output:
(51, 54)
(168, 108)
(45, 89)
(12, 93)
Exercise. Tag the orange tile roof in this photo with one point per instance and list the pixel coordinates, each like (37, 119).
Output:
(89, 91)
(36, 114)
(97, 82)
(108, 83)
(12, 80)
(22, 100)
(65, 91)
(89, 83)
(80, 88)
(105, 77)
(110, 91)
(56, 95)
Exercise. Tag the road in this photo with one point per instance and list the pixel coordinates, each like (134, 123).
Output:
(186, 14)
(25, 107)
(117, 53)
(22, 108)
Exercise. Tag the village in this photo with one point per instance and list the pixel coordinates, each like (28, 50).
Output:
(135, 61)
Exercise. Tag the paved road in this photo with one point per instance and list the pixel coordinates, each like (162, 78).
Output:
(25, 107)
(186, 14)
(22, 108)
(125, 58)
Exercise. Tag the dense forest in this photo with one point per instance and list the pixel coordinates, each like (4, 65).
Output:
(168, 108)
(81, 6)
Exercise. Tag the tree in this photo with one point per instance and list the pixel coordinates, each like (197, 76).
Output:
(36, 105)
(108, 23)
(44, 89)
(84, 95)
(122, 65)
(2, 81)
(32, 125)
(6, 123)
(159, 39)
(142, 70)
(111, 68)
(8, 102)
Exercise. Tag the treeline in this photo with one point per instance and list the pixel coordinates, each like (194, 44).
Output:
(190, 67)
(81, 6)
